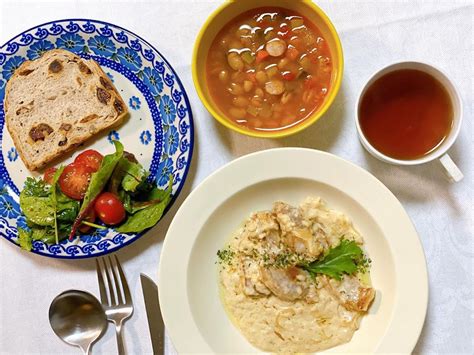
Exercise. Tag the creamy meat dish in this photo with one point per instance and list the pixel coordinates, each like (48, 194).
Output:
(281, 281)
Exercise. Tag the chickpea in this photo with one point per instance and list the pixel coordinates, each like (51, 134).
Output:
(238, 113)
(235, 62)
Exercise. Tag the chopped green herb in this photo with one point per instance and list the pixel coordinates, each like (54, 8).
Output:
(225, 256)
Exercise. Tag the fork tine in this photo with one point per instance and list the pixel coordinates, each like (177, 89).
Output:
(109, 275)
(103, 292)
(126, 290)
(117, 280)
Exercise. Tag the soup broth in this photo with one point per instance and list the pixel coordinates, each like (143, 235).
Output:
(269, 69)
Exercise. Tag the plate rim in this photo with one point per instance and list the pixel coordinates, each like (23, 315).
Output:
(191, 145)
(171, 279)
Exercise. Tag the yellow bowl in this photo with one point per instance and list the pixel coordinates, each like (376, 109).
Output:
(228, 11)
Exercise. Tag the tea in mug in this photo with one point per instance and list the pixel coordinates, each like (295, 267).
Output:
(406, 114)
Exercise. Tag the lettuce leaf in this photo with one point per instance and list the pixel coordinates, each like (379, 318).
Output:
(35, 202)
(134, 175)
(24, 239)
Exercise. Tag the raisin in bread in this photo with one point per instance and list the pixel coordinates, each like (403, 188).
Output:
(55, 103)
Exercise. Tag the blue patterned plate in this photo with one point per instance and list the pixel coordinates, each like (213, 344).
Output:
(159, 130)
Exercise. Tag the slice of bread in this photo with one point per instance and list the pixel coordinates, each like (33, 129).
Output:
(55, 103)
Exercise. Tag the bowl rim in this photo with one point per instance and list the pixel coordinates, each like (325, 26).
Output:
(315, 116)
(410, 308)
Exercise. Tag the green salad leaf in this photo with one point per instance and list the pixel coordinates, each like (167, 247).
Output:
(134, 174)
(147, 217)
(24, 239)
(35, 202)
(47, 234)
(343, 259)
(67, 208)
(49, 213)
(36, 187)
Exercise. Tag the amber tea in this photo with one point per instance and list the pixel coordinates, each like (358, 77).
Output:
(406, 114)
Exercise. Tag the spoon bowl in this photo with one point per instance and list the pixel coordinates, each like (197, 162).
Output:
(77, 318)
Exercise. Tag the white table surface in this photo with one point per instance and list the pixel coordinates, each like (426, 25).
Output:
(373, 34)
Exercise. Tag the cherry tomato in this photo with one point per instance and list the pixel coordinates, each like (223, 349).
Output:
(74, 180)
(48, 175)
(90, 217)
(91, 158)
(109, 208)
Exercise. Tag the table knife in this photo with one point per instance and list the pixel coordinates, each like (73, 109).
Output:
(153, 311)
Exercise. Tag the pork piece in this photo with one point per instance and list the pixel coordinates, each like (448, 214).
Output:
(287, 284)
(251, 283)
(261, 226)
(328, 225)
(351, 294)
(296, 231)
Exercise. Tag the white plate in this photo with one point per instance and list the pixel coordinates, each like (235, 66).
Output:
(192, 311)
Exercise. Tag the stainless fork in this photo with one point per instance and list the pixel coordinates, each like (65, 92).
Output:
(117, 302)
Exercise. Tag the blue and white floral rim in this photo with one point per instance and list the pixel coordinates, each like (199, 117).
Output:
(163, 97)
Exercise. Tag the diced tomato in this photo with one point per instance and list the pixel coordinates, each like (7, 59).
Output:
(284, 27)
(296, 42)
(284, 35)
(75, 180)
(252, 77)
(90, 217)
(292, 53)
(309, 82)
(289, 76)
(48, 175)
(285, 31)
(261, 55)
(91, 158)
(314, 58)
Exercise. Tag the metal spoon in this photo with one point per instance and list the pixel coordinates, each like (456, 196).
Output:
(78, 318)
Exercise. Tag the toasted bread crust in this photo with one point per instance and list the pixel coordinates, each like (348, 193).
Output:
(57, 102)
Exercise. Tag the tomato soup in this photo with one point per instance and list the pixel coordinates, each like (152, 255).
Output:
(269, 69)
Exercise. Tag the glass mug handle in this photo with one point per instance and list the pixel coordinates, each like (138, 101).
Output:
(453, 172)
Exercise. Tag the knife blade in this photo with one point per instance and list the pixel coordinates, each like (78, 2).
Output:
(153, 311)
